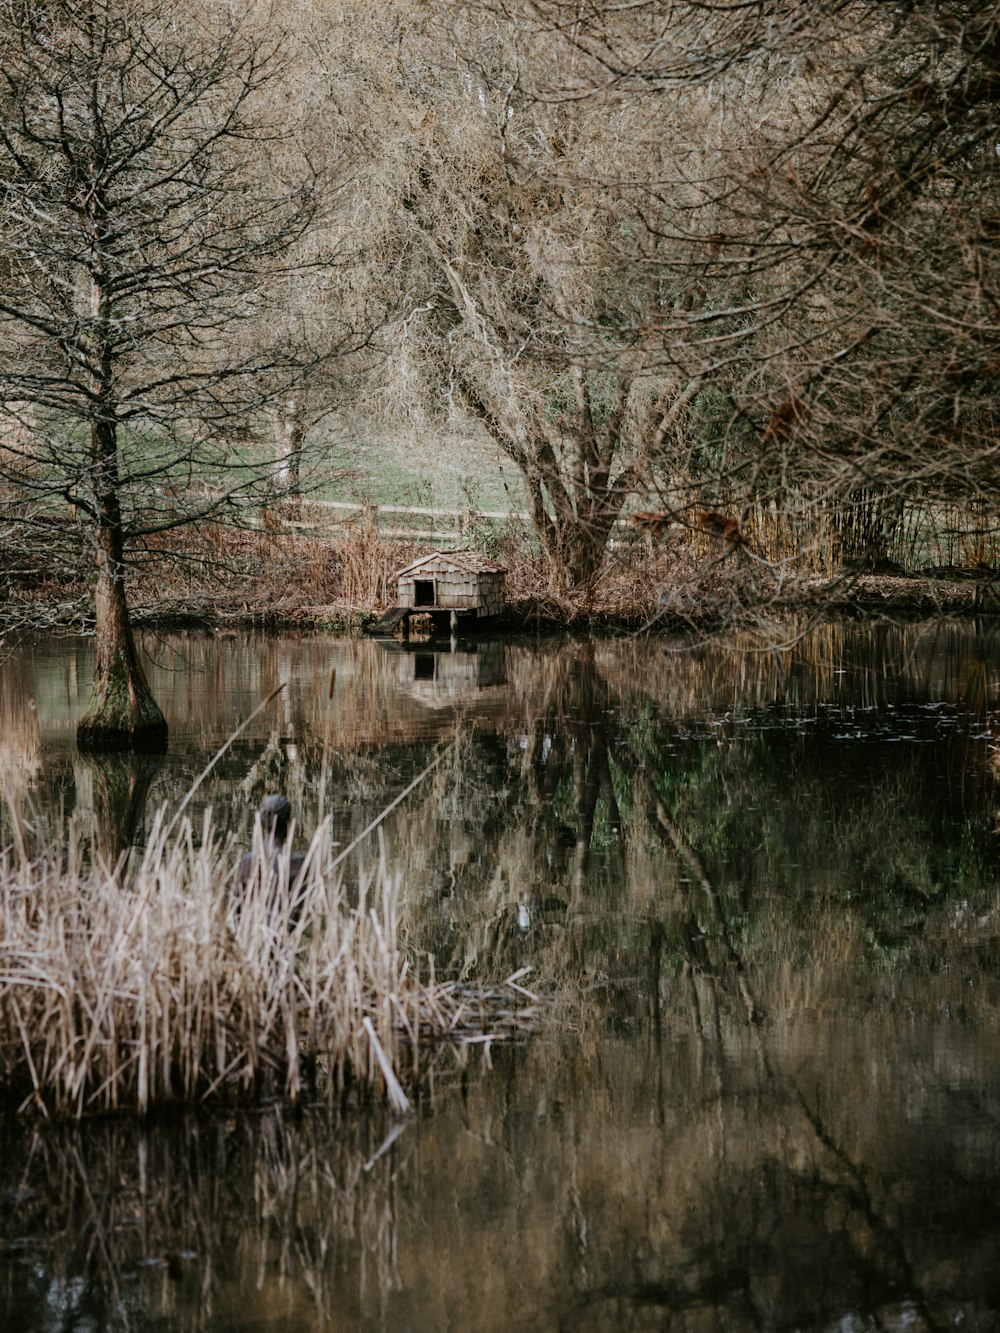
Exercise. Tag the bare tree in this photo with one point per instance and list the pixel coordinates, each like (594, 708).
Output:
(833, 232)
(146, 198)
(492, 235)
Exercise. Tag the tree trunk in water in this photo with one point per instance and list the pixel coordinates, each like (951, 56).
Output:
(122, 715)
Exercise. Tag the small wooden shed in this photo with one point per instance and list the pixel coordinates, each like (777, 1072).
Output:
(461, 581)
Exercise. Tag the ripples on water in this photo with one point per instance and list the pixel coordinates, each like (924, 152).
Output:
(766, 886)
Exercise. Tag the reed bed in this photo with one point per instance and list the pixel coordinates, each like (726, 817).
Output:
(122, 989)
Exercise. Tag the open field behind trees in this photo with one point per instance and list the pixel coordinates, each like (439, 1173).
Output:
(437, 467)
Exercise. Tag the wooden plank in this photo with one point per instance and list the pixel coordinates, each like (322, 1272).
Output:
(390, 619)
(471, 514)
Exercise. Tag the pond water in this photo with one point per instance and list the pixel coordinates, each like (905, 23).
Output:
(764, 886)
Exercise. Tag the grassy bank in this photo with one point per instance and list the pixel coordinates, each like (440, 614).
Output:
(127, 991)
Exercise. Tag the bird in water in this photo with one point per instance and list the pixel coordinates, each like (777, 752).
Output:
(275, 813)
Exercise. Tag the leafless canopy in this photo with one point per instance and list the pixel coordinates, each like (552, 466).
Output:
(820, 214)
(145, 200)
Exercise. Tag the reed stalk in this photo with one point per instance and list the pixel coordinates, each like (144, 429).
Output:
(123, 991)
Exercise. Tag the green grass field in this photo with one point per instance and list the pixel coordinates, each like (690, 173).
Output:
(437, 470)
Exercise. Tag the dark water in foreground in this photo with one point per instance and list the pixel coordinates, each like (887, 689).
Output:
(766, 886)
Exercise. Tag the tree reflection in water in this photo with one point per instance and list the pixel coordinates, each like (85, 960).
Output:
(195, 1218)
(764, 887)
(587, 1182)
(120, 785)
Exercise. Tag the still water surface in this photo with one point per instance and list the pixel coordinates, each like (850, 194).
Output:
(765, 887)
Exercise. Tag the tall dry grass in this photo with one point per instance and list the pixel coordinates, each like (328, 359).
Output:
(125, 991)
(290, 571)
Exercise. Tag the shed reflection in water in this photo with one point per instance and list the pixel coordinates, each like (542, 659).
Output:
(770, 1099)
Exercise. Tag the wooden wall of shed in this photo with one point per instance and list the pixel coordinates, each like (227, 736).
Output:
(456, 590)
(491, 594)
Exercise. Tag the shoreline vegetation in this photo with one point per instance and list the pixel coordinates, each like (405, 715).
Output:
(218, 578)
(133, 986)
(129, 988)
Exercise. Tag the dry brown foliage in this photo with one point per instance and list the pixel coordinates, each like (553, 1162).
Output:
(267, 572)
(122, 989)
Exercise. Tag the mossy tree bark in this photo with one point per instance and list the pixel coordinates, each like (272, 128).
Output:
(122, 713)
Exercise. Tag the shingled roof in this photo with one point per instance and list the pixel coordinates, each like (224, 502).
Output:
(469, 562)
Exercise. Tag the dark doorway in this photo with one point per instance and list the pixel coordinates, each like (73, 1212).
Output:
(423, 666)
(423, 592)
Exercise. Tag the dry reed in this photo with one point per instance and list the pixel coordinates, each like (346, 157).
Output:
(124, 991)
